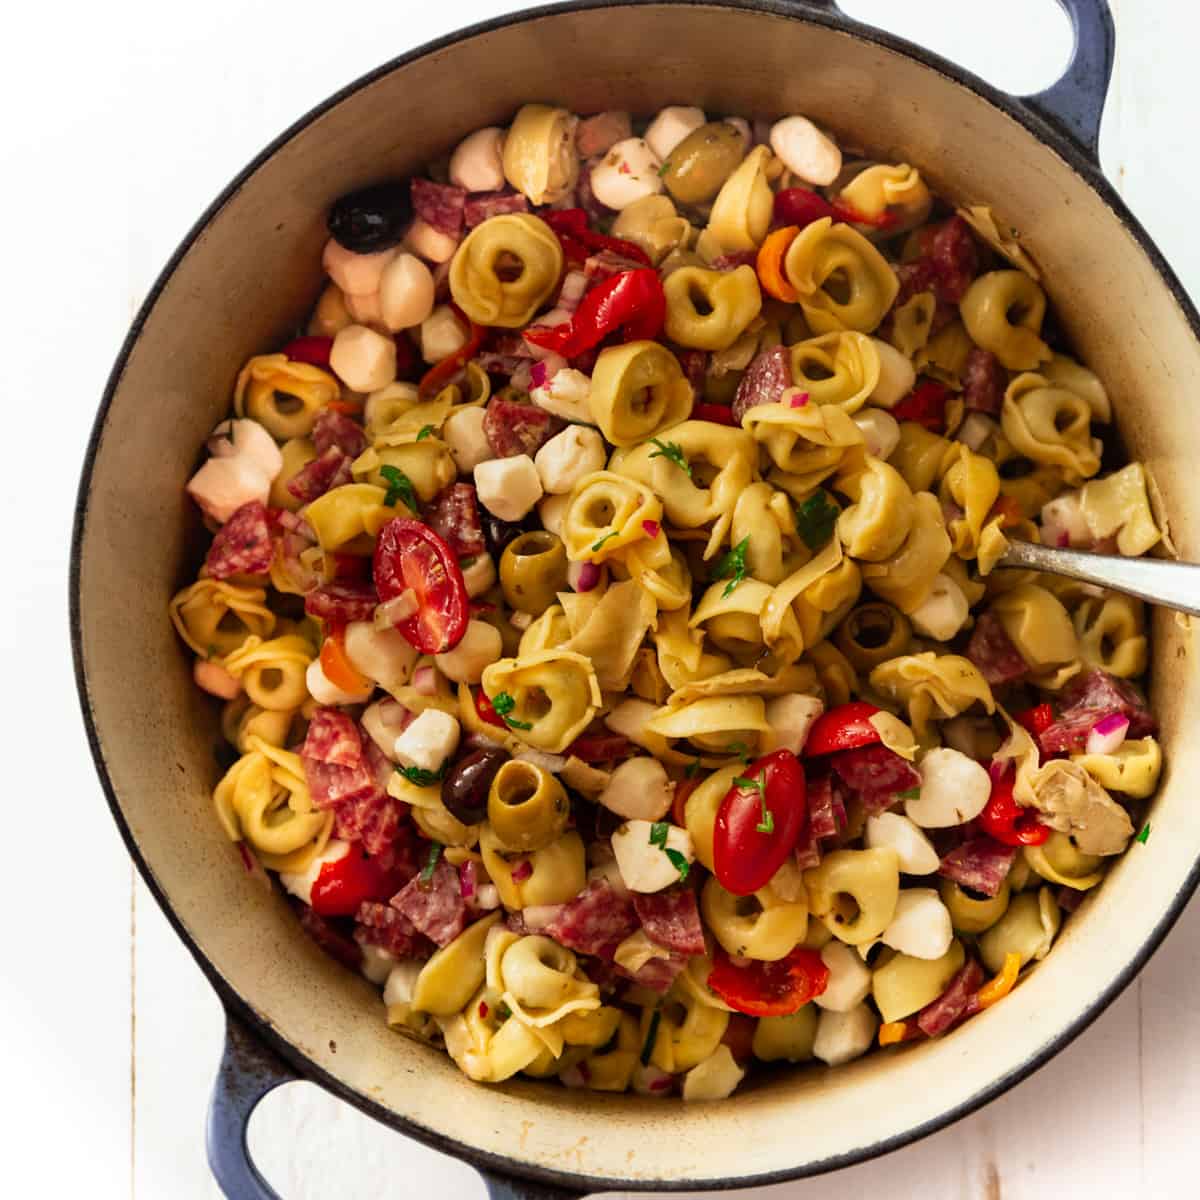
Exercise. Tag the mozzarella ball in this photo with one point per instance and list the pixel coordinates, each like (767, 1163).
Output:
(628, 172)
(843, 1036)
(479, 576)
(477, 164)
(671, 126)
(366, 310)
(808, 153)
(644, 866)
(324, 692)
(223, 485)
(508, 487)
(921, 926)
(463, 434)
(976, 429)
(376, 963)
(363, 359)
(401, 983)
(442, 334)
(954, 789)
(568, 456)
(215, 680)
(355, 274)
(629, 718)
(639, 789)
(897, 375)
(330, 313)
(428, 742)
(384, 655)
(300, 883)
(405, 292)
(1063, 522)
(790, 718)
(914, 850)
(250, 440)
(551, 510)
(385, 721)
(715, 1078)
(943, 613)
(849, 978)
(431, 244)
(480, 647)
(880, 431)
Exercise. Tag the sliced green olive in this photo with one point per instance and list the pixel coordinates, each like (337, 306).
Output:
(696, 168)
(533, 569)
(527, 806)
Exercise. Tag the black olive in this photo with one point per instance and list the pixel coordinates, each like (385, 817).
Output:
(371, 219)
(498, 533)
(465, 788)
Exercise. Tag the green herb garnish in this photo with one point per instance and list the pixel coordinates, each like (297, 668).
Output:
(503, 703)
(680, 863)
(399, 487)
(672, 451)
(658, 834)
(815, 519)
(468, 562)
(426, 430)
(766, 822)
(503, 1012)
(664, 168)
(651, 1037)
(732, 566)
(658, 837)
(435, 853)
(910, 794)
(605, 538)
(212, 652)
(693, 769)
(419, 777)
(1144, 836)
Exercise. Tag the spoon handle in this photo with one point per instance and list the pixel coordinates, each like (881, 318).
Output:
(1156, 580)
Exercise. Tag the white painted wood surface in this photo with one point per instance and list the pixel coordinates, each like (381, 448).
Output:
(122, 122)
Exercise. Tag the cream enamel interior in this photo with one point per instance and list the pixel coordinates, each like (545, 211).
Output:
(249, 277)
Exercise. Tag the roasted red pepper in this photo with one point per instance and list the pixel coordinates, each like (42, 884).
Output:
(579, 242)
(600, 747)
(769, 989)
(345, 883)
(632, 302)
(1037, 719)
(1006, 820)
(487, 714)
(925, 404)
(719, 414)
(312, 350)
(441, 373)
(801, 207)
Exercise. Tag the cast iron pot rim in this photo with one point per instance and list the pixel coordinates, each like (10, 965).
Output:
(831, 18)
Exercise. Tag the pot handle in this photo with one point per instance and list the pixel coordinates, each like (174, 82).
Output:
(248, 1071)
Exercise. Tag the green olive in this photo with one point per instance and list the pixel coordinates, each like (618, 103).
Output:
(533, 569)
(527, 807)
(971, 915)
(873, 633)
(696, 168)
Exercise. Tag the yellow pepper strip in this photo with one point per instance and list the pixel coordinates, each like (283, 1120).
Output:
(893, 1032)
(999, 987)
(770, 264)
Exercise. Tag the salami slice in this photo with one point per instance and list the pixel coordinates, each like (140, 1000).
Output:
(992, 651)
(695, 367)
(335, 943)
(336, 429)
(983, 382)
(440, 205)
(514, 428)
(1086, 699)
(453, 515)
(877, 774)
(333, 738)
(242, 546)
(596, 922)
(656, 973)
(331, 786)
(671, 919)
(599, 134)
(935, 1018)
(434, 906)
(481, 206)
(765, 381)
(955, 259)
(980, 864)
(343, 601)
(323, 474)
(382, 925)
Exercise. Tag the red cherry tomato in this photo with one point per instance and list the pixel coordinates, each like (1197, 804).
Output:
(758, 826)
(1037, 719)
(719, 414)
(312, 350)
(342, 885)
(487, 714)
(769, 989)
(1006, 820)
(925, 404)
(409, 554)
(845, 727)
(799, 206)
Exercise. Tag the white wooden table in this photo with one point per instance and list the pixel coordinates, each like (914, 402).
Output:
(123, 121)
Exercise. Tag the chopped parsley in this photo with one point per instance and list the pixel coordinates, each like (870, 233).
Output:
(910, 794)
(693, 769)
(678, 861)
(426, 430)
(1144, 836)
(503, 703)
(435, 853)
(658, 834)
(503, 1012)
(399, 487)
(815, 519)
(605, 538)
(468, 562)
(766, 822)
(651, 1037)
(673, 452)
(732, 566)
(419, 777)
(664, 168)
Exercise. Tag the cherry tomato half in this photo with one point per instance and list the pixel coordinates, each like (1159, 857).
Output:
(759, 823)
(409, 554)
(313, 350)
(845, 727)
(769, 989)
(336, 665)
(719, 414)
(1006, 820)
(345, 883)
(1037, 719)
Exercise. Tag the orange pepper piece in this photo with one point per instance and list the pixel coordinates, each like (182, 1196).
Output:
(770, 264)
(336, 665)
(893, 1032)
(1008, 510)
(999, 987)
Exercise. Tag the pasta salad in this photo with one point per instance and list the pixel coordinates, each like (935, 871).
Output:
(604, 593)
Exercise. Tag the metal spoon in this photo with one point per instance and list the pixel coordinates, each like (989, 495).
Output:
(1156, 580)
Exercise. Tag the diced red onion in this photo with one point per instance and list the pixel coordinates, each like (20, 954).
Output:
(798, 399)
(466, 879)
(651, 528)
(521, 377)
(1107, 734)
(1064, 539)
(425, 681)
(483, 1009)
(589, 576)
(520, 872)
(537, 375)
(390, 613)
